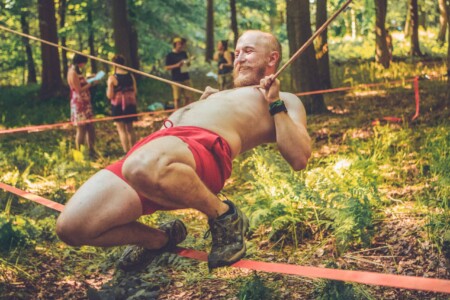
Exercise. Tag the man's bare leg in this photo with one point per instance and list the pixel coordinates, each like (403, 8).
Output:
(103, 212)
(164, 171)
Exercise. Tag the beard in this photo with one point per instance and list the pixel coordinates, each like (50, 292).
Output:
(250, 75)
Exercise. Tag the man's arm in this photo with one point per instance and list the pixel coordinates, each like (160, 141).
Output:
(292, 137)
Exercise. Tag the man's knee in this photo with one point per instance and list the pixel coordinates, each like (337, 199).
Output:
(69, 232)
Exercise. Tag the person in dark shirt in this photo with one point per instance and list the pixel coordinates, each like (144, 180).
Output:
(122, 93)
(177, 62)
(224, 60)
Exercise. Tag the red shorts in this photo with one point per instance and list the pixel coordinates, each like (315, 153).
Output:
(211, 152)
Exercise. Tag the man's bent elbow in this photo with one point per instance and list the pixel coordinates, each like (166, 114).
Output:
(299, 165)
(300, 162)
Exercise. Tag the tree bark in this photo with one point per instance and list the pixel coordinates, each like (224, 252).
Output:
(415, 48)
(407, 29)
(447, 10)
(442, 21)
(323, 59)
(381, 49)
(234, 25)
(91, 39)
(62, 23)
(52, 84)
(125, 36)
(209, 53)
(304, 69)
(134, 41)
(31, 75)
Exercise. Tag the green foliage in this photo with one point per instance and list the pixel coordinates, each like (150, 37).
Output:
(278, 198)
(348, 195)
(437, 153)
(255, 289)
(339, 290)
(16, 232)
(20, 106)
(339, 196)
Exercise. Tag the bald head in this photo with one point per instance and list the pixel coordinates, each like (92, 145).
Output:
(267, 40)
(258, 54)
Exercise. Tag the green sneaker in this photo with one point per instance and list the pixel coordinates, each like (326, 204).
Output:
(228, 242)
(136, 258)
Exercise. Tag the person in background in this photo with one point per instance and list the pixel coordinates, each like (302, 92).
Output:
(224, 60)
(80, 105)
(122, 92)
(176, 62)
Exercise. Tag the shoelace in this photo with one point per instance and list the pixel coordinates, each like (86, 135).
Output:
(220, 233)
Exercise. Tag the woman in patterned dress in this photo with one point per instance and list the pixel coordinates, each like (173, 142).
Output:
(80, 105)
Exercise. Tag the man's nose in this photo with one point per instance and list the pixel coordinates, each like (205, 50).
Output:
(239, 58)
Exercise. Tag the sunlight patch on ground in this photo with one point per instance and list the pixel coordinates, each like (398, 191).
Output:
(326, 150)
(338, 110)
(342, 165)
(362, 94)
(149, 120)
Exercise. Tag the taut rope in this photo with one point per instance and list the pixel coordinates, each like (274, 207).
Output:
(102, 60)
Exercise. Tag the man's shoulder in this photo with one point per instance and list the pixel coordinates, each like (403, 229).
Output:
(287, 96)
(292, 101)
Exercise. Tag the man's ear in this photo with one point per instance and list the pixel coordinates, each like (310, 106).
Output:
(273, 58)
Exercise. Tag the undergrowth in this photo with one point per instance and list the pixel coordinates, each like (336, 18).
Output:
(357, 172)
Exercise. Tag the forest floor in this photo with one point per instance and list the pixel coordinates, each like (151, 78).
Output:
(399, 246)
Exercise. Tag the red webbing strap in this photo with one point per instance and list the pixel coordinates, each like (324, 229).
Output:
(35, 128)
(372, 278)
(417, 97)
(364, 85)
(38, 199)
(396, 281)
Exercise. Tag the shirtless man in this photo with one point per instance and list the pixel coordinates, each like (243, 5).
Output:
(186, 164)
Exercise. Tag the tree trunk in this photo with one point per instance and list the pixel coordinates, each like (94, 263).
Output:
(62, 23)
(91, 37)
(31, 77)
(125, 36)
(442, 21)
(415, 48)
(234, 25)
(407, 29)
(323, 59)
(134, 41)
(304, 69)
(209, 53)
(447, 10)
(52, 84)
(381, 49)
(422, 17)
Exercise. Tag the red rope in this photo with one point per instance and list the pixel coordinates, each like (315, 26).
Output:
(415, 80)
(372, 278)
(417, 97)
(35, 128)
(340, 89)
